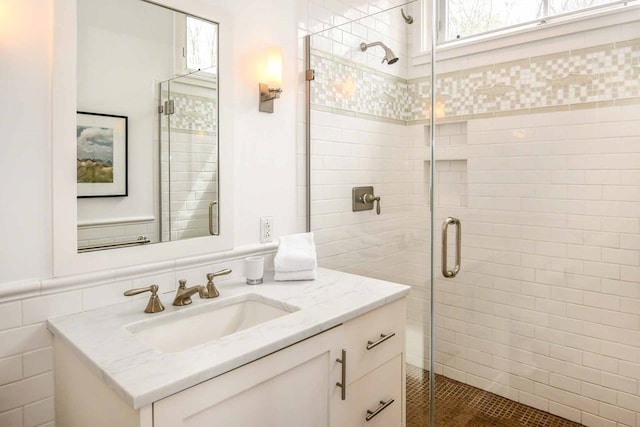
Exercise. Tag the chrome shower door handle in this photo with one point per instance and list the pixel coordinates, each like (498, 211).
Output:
(211, 231)
(445, 226)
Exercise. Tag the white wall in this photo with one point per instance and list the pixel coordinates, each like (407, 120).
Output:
(264, 184)
(265, 144)
(25, 116)
(118, 71)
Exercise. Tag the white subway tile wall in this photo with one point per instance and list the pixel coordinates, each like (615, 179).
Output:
(542, 311)
(546, 310)
(26, 353)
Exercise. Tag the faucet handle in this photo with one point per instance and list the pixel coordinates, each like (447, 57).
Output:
(210, 276)
(182, 284)
(154, 305)
(210, 291)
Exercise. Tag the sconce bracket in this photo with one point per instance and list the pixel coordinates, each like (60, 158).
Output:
(267, 95)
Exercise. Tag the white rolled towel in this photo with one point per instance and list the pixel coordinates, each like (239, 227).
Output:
(286, 276)
(296, 252)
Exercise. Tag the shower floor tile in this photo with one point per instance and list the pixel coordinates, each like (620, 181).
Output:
(459, 405)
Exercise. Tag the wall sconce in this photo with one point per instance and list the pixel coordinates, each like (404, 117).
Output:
(272, 77)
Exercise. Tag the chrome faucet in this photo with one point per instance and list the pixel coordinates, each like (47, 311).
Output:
(210, 291)
(183, 294)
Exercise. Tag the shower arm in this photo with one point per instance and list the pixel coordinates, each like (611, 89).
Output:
(389, 56)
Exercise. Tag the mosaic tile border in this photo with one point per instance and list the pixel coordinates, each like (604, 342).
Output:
(346, 88)
(594, 77)
(192, 112)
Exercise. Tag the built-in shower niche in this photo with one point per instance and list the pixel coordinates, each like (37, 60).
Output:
(451, 167)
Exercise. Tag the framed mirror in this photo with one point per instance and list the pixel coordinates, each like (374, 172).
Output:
(121, 61)
(147, 125)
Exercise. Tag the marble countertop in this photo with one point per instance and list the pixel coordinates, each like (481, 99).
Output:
(142, 375)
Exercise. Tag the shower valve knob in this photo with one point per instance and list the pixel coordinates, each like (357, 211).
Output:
(370, 198)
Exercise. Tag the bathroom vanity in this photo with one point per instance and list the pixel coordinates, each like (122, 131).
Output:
(328, 352)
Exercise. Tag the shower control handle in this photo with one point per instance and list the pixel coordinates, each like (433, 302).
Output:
(370, 198)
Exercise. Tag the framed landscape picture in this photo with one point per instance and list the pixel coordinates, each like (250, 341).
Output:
(102, 155)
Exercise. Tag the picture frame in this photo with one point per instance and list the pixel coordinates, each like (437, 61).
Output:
(102, 169)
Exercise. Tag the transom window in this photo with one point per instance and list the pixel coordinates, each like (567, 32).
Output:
(196, 46)
(460, 19)
(201, 47)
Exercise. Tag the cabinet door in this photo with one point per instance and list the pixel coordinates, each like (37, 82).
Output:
(380, 392)
(366, 346)
(289, 388)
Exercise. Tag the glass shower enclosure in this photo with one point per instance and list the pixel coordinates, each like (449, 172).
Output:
(508, 177)
(189, 165)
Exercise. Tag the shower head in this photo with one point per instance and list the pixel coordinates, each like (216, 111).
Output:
(389, 56)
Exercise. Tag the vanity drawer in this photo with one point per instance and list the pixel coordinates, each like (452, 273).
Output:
(366, 347)
(379, 392)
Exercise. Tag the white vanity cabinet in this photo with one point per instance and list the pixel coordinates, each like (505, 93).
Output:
(296, 386)
(293, 387)
(285, 389)
(375, 374)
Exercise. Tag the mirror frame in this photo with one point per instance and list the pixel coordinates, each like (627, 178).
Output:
(66, 260)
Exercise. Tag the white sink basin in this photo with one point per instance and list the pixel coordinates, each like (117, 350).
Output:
(192, 326)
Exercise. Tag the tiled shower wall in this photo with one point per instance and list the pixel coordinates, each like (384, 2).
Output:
(348, 152)
(547, 308)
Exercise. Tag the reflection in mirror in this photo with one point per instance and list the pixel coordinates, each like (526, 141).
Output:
(189, 158)
(158, 69)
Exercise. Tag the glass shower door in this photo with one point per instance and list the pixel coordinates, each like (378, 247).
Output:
(367, 140)
(189, 158)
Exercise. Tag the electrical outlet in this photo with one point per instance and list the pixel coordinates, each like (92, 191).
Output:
(266, 229)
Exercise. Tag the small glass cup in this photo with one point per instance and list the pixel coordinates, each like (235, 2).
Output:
(254, 269)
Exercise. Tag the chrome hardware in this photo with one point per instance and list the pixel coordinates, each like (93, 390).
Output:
(211, 205)
(154, 305)
(445, 225)
(383, 338)
(363, 199)
(141, 240)
(210, 290)
(343, 378)
(183, 294)
(382, 407)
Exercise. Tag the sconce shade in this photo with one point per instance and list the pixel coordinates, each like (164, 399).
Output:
(271, 80)
(274, 67)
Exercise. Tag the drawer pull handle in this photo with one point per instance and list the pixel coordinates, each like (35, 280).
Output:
(343, 380)
(383, 338)
(382, 407)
